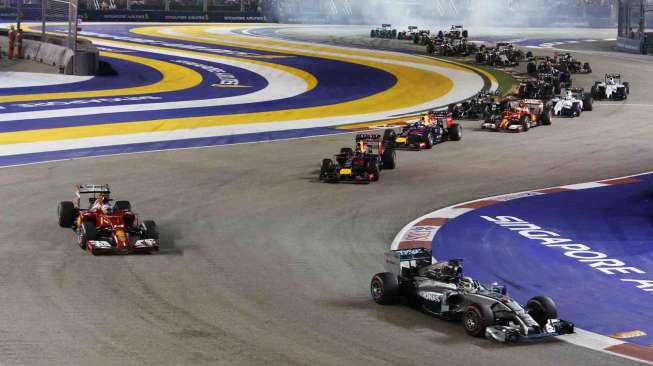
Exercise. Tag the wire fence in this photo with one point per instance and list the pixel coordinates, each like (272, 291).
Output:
(60, 16)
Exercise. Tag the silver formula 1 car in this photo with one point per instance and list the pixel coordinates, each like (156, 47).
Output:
(440, 289)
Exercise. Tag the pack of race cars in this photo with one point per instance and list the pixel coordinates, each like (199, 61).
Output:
(546, 93)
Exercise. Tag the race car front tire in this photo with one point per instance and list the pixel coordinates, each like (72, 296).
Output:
(66, 213)
(374, 172)
(87, 232)
(326, 168)
(627, 85)
(541, 309)
(384, 288)
(150, 230)
(456, 132)
(525, 123)
(476, 318)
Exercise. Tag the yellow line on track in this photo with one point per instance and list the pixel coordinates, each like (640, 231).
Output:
(413, 87)
(175, 78)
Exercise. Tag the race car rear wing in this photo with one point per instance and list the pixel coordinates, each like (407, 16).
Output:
(396, 260)
(93, 189)
(367, 137)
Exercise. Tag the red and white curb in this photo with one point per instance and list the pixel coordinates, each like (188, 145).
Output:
(420, 233)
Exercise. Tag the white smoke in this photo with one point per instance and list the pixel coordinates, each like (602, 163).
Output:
(401, 13)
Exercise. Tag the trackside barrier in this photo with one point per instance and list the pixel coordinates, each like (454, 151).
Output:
(54, 53)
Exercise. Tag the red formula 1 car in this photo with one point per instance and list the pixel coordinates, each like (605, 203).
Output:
(106, 228)
(520, 115)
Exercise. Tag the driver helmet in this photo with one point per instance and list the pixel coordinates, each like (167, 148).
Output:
(452, 270)
(106, 208)
(569, 94)
(522, 105)
(99, 201)
(467, 283)
(361, 146)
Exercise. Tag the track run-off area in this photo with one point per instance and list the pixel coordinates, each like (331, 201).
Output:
(200, 85)
(261, 264)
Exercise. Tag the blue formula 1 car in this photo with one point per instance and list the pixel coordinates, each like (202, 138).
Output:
(432, 129)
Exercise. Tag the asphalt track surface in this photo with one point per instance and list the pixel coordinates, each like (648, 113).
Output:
(260, 264)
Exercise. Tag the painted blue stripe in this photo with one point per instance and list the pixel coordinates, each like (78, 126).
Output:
(614, 220)
(339, 82)
(130, 75)
(204, 90)
(164, 145)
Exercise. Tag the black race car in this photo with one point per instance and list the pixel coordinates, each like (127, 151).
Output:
(542, 88)
(385, 31)
(440, 289)
(433, 128)
(477, 107)
(360, 165)
(566, 62)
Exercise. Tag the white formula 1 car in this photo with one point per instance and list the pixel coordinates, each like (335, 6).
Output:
(611, 88)
(567, 106)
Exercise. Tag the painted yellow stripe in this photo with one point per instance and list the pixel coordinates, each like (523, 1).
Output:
(628, 334)
(269, 45)
(413, 87)
(309, 79)
(175, 77)
(202, 31)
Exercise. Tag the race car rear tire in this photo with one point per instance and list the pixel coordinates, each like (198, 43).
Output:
(547, 117)
(541, 309)
(588, 103)
(122, 205)
(531, 68)
(389, 137)
(455, 132)
(389, 159)
(384, 288)
(346, 151)
(476, 318)
(87, 232)
(595, 92)
(151, 232)
(66, 213)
